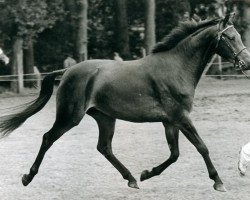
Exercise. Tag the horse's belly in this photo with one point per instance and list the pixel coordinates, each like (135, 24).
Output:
(134, 108)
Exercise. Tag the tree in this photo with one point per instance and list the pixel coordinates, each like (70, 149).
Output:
(101, 29)
(26, 19)
(28, 62)
(82, 39)
(149, 41)
(168, 14)
(121, 28)
(17, 65)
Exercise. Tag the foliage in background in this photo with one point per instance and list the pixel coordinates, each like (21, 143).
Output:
(168, 15)
(101, 29)
(52, 47)
(49, 23)
(27, 19)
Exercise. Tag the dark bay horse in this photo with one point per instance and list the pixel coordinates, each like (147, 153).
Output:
(157, 88)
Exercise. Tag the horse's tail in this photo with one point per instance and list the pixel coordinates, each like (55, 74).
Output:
(10, 122)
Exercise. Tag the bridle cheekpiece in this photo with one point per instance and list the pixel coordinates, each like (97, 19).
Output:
(238, 63)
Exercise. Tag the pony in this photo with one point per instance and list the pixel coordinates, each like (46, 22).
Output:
(157, 88)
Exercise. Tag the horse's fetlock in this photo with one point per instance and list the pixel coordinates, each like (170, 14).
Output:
(214, 175)
(127, 176)
(156, 172)
(34, 170)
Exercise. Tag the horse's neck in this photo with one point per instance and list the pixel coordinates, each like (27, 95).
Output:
(195, 59)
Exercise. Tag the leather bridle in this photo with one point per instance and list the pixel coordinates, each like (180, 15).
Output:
(238, 63)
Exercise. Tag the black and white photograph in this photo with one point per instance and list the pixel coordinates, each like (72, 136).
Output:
(124, 99)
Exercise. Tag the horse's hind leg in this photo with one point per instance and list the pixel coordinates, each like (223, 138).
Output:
(172, 136)
(106, 126)
(64, 122)
(188, 129)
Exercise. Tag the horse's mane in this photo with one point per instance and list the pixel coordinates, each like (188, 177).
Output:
(179, 33)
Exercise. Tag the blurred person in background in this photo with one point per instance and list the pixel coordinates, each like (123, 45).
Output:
(117, 57)
(244, 159)
(69, 61)
(4, 58)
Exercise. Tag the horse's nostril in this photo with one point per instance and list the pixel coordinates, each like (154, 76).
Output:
(241, 63)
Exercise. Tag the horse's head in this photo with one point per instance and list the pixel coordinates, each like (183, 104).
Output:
(3, 57)
(229, 44)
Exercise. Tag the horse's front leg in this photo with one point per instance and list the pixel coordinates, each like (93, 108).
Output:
(172, 135)
(188, 129)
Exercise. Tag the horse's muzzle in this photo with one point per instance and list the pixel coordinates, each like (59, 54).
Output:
(240, 65)
(243, 61)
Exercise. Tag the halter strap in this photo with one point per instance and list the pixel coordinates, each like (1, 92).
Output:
(220, 37)
(240, 51)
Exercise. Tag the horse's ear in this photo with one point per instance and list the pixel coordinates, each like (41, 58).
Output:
(228, 19)
(196, 18)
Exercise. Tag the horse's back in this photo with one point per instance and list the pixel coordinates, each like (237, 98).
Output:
(74, 83)
(84, 79)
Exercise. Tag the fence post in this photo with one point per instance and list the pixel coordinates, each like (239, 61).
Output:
(38, 77)
(209, 65)
(220, 66)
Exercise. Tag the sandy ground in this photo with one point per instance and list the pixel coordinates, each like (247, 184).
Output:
(73, 169)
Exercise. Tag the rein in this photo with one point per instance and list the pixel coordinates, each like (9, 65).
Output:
(238, 63)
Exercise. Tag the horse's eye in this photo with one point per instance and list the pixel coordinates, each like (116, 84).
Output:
(231, 38)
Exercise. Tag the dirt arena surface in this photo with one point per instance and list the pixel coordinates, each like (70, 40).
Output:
(74, 170)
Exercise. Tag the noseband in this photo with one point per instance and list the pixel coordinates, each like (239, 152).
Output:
(238, 63)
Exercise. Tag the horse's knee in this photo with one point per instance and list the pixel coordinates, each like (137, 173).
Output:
(203, 150)
(174, 155)
(75, 122)
(47, 139)
(104, 150)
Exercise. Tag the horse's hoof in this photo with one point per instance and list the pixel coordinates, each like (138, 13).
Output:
(219, 187)
(25, 180)
(144, 175)
(133, 184)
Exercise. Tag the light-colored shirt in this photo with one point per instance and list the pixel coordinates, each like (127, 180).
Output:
(117, 57)
(68, 62)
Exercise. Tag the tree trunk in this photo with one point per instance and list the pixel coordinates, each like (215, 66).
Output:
(246, 35)
(29, 63)
(17, 65)
(70, 5)
(149, 40)
(121, 28)
(82, 37)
